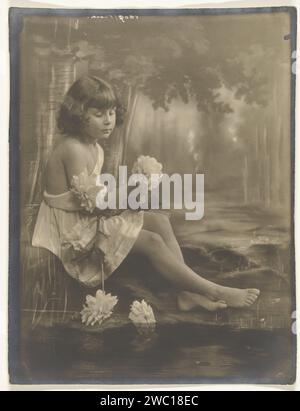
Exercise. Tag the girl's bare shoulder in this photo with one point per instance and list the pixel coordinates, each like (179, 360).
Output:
(66, 148)
(72, 146)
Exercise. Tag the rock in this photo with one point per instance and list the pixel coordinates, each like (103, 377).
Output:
(230, 260)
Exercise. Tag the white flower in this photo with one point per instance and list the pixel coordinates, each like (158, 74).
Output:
(98, 308)
(147, 165)
(141, 314)
(87, 191)
(151, 168)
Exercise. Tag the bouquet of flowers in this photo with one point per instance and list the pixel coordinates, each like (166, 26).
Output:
(86, 190)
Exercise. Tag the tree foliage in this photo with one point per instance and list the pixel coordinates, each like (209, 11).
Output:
(167, 58)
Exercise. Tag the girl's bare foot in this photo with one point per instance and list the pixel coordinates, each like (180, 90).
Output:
(187, 301)
(236, 297)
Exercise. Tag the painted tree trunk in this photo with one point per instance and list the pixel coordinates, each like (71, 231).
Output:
(116, 153)
(246, 180)
(45, 80)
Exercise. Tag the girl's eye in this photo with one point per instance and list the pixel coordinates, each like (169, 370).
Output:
(111, 112)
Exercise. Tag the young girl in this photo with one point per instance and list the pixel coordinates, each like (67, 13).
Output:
(92, 245)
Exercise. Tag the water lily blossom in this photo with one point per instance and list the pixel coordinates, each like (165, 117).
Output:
(98, 308)
(141, 314)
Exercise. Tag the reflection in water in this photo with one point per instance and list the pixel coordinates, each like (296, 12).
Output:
(175, 353)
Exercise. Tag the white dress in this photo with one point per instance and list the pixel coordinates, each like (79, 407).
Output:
(90, 247)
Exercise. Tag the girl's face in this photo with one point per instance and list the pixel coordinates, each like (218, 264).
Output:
(100, 123)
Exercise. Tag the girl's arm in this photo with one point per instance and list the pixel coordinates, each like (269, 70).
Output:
(83, 187)
(74, 162)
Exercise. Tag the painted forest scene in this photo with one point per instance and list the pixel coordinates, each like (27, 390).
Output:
(205, 93)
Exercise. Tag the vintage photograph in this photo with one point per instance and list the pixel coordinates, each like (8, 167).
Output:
(152, 196)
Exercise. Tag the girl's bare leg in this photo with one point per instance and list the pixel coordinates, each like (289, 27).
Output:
(160, 223)
(153, 246)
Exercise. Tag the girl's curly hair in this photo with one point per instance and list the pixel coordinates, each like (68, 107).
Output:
(87, 92)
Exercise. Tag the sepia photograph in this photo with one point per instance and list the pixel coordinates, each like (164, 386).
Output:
(152, 159)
